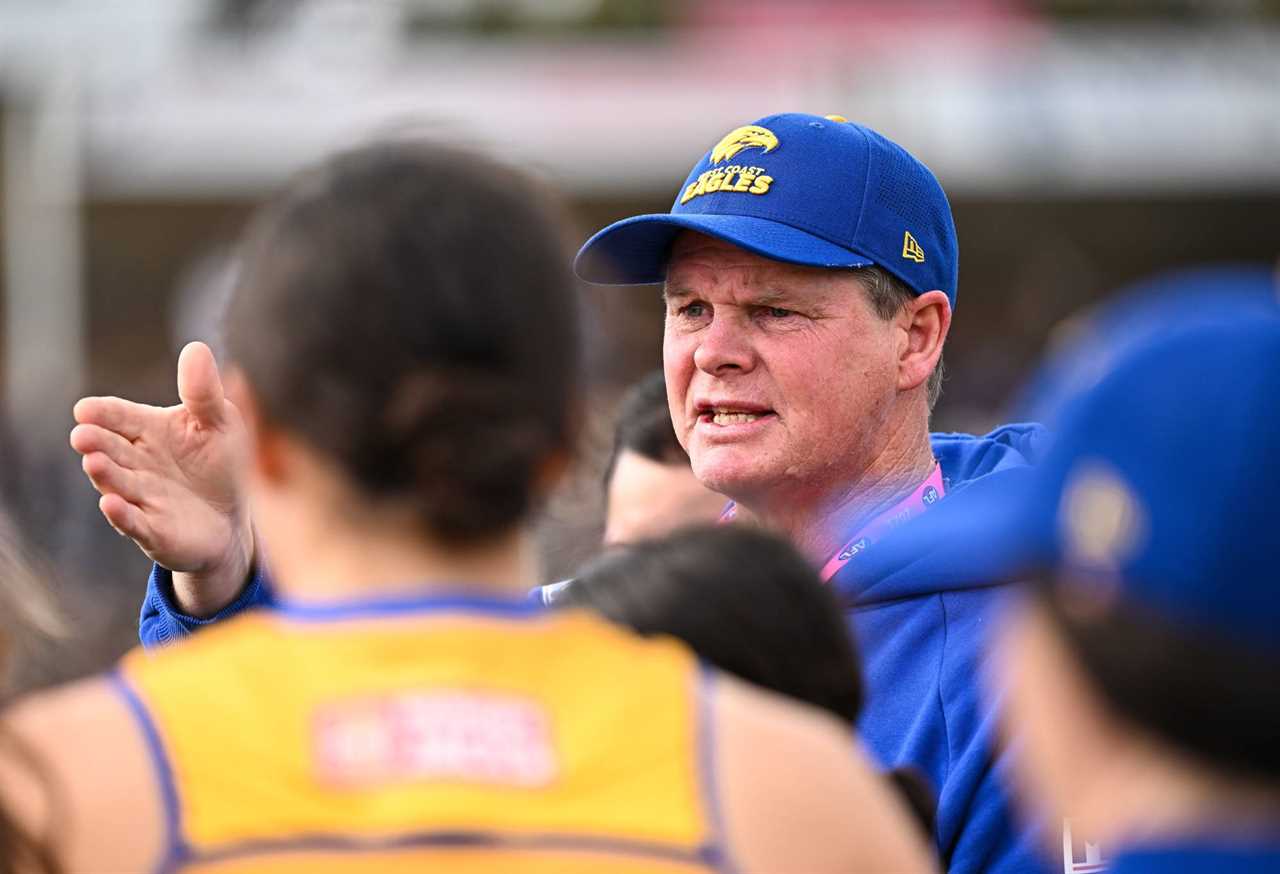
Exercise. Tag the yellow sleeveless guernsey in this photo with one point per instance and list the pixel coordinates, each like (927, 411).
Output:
(454, 734)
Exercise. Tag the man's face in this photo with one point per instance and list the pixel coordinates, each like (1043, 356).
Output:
(649, 499)
(779, 377)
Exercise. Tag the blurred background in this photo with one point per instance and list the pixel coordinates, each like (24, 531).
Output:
(1083, 145)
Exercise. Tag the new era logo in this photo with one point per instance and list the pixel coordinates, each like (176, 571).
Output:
(911, 249)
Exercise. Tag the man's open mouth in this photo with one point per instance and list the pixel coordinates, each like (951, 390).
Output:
(731, 415)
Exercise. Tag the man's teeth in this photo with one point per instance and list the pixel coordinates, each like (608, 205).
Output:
(734, 418)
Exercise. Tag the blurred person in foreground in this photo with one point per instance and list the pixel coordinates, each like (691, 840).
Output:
(810, 269)
(747, 603)
(1142, 672)
(30, 620)
(405, 705)
(650, 489)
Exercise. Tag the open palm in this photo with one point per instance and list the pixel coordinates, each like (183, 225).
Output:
(171, 477)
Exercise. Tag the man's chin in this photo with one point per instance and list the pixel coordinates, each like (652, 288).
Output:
(738, 481)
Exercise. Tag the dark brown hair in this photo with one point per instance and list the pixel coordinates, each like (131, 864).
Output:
(1213, 697)
(407, 309)
(743, 599)
(746, 602)
(644, 425)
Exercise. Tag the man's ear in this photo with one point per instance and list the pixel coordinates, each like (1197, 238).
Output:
(265, 458)
(925, 321)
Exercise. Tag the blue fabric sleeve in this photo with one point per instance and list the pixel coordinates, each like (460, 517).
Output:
(980, 830)
(161, 621)
(992, 837)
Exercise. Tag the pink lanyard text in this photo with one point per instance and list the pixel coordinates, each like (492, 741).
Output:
(925, 496)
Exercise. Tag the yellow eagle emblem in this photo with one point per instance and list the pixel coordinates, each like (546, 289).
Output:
(1102, 519)
(746, 137)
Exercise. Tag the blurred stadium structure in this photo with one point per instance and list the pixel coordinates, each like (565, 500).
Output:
(1083, 144)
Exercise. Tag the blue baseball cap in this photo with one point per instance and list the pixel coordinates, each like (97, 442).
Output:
(805, 189)
(1160, 489)
(1093, 340)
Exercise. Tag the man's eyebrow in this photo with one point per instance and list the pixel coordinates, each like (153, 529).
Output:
(771, 296)
(766, 297)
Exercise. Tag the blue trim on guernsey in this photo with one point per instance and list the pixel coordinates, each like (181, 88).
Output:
(175, 847)
(337, 843)
(716, 852)
(516, 605)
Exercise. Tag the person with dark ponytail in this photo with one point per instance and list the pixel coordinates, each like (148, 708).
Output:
(402, 395)
(749, 604)
(1142, 669)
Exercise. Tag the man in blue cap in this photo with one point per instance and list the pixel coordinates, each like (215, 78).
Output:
(810, 269)
(1142, 672)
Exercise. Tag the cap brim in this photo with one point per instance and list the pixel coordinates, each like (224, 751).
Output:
(635, 251)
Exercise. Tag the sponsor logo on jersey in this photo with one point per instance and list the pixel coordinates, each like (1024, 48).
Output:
(451, 735)
(911, 249)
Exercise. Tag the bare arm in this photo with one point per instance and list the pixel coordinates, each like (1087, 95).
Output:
(799, 794)
(93, 786)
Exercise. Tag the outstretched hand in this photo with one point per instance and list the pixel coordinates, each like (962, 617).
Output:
(171, 479)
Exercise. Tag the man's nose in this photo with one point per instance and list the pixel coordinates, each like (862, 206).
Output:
(724, 346)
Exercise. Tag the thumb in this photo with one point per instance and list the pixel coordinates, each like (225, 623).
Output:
(199, 384)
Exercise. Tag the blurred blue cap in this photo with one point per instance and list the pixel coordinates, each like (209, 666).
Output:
(1087, 345)
(1159, 490)
(804, 189)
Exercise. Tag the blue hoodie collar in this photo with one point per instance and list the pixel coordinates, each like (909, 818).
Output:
(989, 464)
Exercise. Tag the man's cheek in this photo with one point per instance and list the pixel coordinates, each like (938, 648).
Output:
(683, 427)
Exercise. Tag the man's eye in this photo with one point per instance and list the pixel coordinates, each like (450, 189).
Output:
(779, 312)
(693, 310)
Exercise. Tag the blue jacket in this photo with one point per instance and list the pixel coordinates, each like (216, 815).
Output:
(1201, 855)
(161, 621)
(922, 630)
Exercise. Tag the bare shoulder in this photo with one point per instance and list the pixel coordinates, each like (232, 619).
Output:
(62, 711)
(800, 794)
(79, 766)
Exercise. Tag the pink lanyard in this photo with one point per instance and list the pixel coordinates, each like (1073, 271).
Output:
(925, 496)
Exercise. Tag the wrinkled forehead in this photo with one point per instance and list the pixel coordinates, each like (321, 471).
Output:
(691, 248)
(698, 260)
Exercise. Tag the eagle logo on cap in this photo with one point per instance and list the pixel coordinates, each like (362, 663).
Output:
(746, 137)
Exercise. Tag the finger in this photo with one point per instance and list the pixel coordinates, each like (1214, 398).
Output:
(127, 519)
(92, 438)
(110, 478)
(200, 385)
(115, 414)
